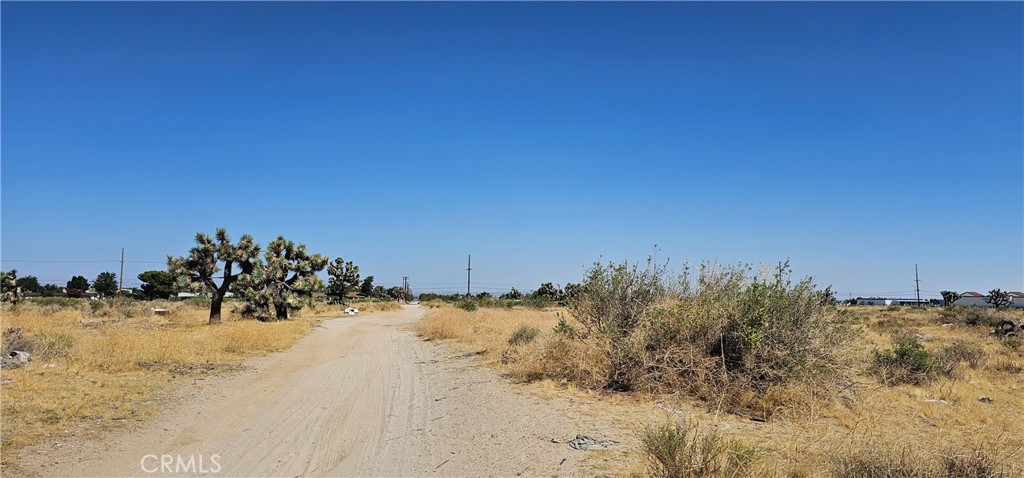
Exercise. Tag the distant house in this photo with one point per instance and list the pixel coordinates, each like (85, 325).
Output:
(976, 299)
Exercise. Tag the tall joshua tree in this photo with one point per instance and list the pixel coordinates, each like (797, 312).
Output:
(284, 282)
(344, 276)
(201, 265)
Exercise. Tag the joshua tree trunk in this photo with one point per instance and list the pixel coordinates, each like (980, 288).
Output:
(281, 311)
(215, 303)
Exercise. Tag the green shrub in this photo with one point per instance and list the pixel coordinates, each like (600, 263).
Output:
(681, 449)
(564, 329)
(725, 328)
(523, 335)
(908, 362)
(973, 316)
(468, 305)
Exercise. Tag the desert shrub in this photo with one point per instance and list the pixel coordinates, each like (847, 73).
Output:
(613, 299)
(882, 464)
(908, 362)
(961, 351)
(14, 339)
(468, 305)
(973, 316)
(564, 329)
(523, 335)
(906, 463)
(725, 332)
(974, 464)
(681, 449)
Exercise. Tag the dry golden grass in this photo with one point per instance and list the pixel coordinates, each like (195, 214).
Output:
(338, 310)
(102, 368)
(936, 420)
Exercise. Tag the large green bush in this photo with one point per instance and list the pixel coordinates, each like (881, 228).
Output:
(726, 327)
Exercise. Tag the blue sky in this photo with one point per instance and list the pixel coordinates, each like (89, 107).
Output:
(854, 139)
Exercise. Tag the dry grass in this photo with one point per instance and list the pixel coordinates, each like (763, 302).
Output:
(96, 367)
(338, 310)
(949, 428)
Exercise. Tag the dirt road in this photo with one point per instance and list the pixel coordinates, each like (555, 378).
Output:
(358, 396)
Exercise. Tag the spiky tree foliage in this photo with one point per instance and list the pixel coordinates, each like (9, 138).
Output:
(999, 298)
(366, 288)
(11, 291)
(548, 291)
(397, 293)
(949, 297)
(284, 282)
(105, 284)
(29, 284)
(513, 294)
(199, 269)
(344, 276)
(77, 286)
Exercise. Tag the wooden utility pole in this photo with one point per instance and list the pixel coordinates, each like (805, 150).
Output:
(469, 269)
(917, 283)
(120, 277)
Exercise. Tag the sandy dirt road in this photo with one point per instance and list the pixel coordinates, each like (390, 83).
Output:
(359, 396)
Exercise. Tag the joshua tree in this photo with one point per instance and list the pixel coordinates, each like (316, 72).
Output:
(344, 276)
(512, 295)
(285, 282)
(999, 298)
(11, 290)
(198, 269)
(949, 297)
(367, 286)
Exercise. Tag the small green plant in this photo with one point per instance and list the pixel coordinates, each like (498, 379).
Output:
(682, 449)
(908, 362)
(564, 329)
(523, 335)
(469, 305)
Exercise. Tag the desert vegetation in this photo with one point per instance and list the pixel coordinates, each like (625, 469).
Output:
(769, 376)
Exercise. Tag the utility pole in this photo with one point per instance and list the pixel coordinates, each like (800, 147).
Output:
(917, 282)
(120, 277)
(469, 269)
(405, 287)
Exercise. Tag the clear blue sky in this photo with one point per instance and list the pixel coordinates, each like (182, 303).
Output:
(855, 139)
